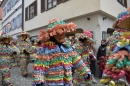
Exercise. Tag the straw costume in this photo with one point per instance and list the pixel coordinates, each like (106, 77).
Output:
(117, 69)
(25, 49)
(6, 58)
(83, 49)
(55, 59)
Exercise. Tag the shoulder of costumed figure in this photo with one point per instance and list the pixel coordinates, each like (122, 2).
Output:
(56, 27)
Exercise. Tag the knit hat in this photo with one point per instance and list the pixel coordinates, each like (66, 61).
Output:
(56, 27)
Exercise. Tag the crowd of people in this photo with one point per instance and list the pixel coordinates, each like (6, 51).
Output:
(60, 60)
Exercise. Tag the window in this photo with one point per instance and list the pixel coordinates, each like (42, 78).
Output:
(48, 4)
(12, 25)
(4, 12)
(123, 2)
(3, 30)
(11, 3)
(31, 11)
(104, 35)
(51, 3)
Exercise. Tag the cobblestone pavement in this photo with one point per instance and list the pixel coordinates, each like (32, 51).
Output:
(18, 80)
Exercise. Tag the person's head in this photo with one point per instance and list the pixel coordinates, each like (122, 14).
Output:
(60, 38)
(24, 36)
(103, 42)
(6, 40)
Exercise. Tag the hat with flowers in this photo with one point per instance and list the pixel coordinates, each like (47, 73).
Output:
(56, 27)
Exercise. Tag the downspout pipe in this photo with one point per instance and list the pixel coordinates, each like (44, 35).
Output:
(22, 15)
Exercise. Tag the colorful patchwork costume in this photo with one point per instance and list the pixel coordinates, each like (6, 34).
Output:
(6, 59)
(83, 49)
(25, 49)
(55, 60)
(117, 69)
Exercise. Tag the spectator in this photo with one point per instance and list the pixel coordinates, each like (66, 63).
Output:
(101, 49)
(101, 53)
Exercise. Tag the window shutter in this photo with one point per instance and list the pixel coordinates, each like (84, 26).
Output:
(42, 5)
(65, 0)
(125, 3)
(59, 1)
(35, 8)
(26, 13)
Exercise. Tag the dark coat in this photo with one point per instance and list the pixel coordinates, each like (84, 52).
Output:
(101, 51)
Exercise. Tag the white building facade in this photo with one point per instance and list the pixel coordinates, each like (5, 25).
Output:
(12, 17)
(93, 15)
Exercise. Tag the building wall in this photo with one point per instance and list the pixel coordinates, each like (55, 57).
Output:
(95, 24)
(13, 9)
(10, 16)
(128, 3)
(112, 7)
(18, 29)
(67, 10)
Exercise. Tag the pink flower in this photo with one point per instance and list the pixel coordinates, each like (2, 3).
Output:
(88, 33)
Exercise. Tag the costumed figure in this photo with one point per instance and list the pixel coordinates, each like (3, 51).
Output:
(83, 49)
(55, 59)
(25, 50)
(117, 69)
(35, 44)
(6, 58)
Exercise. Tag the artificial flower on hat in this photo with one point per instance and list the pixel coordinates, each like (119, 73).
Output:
(56, 27)
(24, 33)
(88, 33)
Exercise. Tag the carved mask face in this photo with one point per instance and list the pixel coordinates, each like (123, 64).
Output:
(60, 37)
(6, 40)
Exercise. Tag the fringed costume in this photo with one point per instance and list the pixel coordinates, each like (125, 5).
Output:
(55, 59)
(83, 49)
(25, 49)
(117, 69)
(6, 58)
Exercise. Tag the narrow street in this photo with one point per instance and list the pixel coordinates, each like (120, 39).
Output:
(19, 80)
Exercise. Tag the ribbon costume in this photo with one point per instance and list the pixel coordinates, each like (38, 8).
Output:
(6, 58)
(117, 69)
(82, 47)
(25, 49)
(55, 59)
